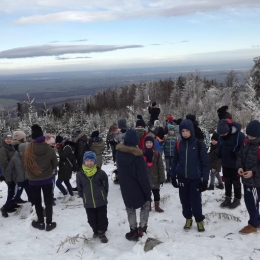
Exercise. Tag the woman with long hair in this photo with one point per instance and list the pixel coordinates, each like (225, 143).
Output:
(40, 161)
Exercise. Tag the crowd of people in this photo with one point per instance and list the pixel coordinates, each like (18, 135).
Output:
(146, 157)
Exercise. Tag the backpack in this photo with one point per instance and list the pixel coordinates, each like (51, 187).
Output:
(258, 151)
(179, 143)
(73, 163)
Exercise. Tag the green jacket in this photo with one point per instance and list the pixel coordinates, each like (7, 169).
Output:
(98, 148)
(6, 154)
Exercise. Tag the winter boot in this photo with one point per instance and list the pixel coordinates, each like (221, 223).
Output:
(51, 226)
(141, 231)
(20, 201)
(102, 237)
(4, 212)
(248, 230)
(95, 235)
(37, 224)
(188, 224)
(220, 186)
(16, 206)
(132, 235)
(211, 187)
(200, 226)
(234, 204)
(66, 198)
(116, 176)
(11, 210)
(157, 207)
(226, 202)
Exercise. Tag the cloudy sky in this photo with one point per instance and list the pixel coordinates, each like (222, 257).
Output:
(63, 35)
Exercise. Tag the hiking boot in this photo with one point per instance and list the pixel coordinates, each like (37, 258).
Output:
(234, 204)
(51, 226)
(226, 202)
(11, 210)
(220, 186)
(188, 224)
(141, 231)
(211, 187)
(37, 224)
(20, 201)
(200, 226)
(248, 230)
(4, 212)
(157, 207)
(132, 235)
(102, 237)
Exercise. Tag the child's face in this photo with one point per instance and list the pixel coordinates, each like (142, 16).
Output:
(89, 163)
(185, 133)
(149, 144)
(251, 137)
(214, 142)
(116, 131)
(8, 140)
(171, 132)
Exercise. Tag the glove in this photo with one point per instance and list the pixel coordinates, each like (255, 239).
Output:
(233, 155)
(203, 186)
(175, 183)
(58, 146)
(161, 183)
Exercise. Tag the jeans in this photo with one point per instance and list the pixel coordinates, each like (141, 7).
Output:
(62, 189)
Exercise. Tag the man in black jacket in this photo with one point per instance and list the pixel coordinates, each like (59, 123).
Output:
(154, 111)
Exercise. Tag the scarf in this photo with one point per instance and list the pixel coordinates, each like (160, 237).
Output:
(140, 132)
(89, 172)
(148, 154)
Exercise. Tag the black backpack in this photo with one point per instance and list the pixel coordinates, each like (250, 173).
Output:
(73, 163)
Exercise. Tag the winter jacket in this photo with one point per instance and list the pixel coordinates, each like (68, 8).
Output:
(189, 162)
(93, 190)
(15, 170)
(247, 159)
(119, 137)
(98, 148)
(154, 112)
(141, 141)
(46, 160)
(229, 145)
(67, 154)
(81, 147)
(169, 145)
(215, 162)
(6, 153)
(156, 173)
(132, 175)
(158, 146)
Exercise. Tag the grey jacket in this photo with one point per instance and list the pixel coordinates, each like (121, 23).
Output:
(93, 189)
(6, 153)
(15, 171)
(247, 159)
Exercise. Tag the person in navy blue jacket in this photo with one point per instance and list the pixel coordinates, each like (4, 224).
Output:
(230, 141)
(191, 167)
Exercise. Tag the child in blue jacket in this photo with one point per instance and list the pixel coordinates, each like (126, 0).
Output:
(191, 168)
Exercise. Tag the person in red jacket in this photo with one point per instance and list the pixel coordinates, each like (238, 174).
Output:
(140, 130)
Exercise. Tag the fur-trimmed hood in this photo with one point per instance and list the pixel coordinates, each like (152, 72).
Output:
(129, 149)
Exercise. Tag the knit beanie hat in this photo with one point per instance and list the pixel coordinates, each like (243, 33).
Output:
(223, 114)
(49, 139)
(22, 147)
(131, 138)
(139, 117)
(149, 138)
(19, 136)
(58, 139)
(140, 123)
(223, 127)
(215, 136)
(154, 104)
(156, 123)
(7, 135)
(95, 134)
(171, 128)
(36, 131)
(89, 156)
(253, 128)
(122, 123)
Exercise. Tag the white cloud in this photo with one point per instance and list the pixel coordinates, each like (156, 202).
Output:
(56, 50)
(107, 10)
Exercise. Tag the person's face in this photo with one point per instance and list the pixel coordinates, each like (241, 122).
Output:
(8, 140)
(116, 131)
(149, 144)
(139, 127)
(214, 142)
(251, 137)
(171, 132)
(185, 133)
(89, 163)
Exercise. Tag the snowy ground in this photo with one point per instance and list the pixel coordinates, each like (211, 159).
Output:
(19, 240)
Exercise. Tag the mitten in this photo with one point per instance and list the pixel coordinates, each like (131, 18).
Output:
(203, 186)
(175, 183)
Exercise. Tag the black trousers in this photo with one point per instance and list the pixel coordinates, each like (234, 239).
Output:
(47, 195)
(232, 179)
(156, 194)
(97, 218)
(10, 201)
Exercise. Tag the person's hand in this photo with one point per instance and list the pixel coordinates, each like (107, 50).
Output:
(240, 171)
(248, 174)
(175, 183)
(213, 170)
(203, 186)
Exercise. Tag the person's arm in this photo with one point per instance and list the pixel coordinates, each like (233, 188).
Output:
(161, 169)
(9, 171)
(104, 181)
(175, 162)
(79, 184)
(54, 160)
(3, 159)
(204, 162)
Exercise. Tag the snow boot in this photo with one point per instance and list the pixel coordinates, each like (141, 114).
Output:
(102, 237)
(211, 187)
(248, 230)
(37, 224)
(11, 210)
(200, 226)
(51, 226)
(95, 235)
(132, 235)
(226, 202)
(141, 231)
(4, 212)
(234, 204)
(220, 186)
(188, 224)
(157, 207)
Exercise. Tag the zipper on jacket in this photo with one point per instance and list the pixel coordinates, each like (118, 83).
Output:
(91, 187)
(187, 146)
